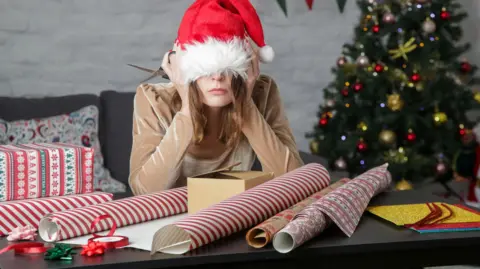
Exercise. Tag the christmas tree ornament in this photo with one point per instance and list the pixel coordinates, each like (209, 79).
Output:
(358, 86)
(314, 147)
(330, 103)
(415, 77)
(340, 164)
(439, 118)
(465, 67)
(403, 49)
(362, 126)
(476, 96)
(341, 61)
(403, 185)
(440, 168)
(323, 121)
(388, 18)
(378, 68)
(362, 61)
(395, 102)
(387, 137)
(445, 15)
(344, 91)
(376, 28)
(429, 26)
(361, 145)
(411, 136)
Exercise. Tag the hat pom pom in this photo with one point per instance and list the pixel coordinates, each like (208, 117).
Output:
(266, 54)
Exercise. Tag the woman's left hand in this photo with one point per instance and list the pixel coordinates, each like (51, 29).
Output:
(253, 73)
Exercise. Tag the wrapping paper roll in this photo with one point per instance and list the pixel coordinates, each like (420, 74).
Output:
(132, 210)
(343, 206)
(20, 213)
(241, 211)
(262, 234)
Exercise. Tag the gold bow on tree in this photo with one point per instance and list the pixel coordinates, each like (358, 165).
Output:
(403, 49)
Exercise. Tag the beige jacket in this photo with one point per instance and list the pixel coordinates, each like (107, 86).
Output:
(159, 157)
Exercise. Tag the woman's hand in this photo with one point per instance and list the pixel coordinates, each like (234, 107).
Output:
(171, 68)
(253, 73)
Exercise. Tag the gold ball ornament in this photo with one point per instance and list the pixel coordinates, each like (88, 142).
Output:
(440, 118)
(387, 137)
(476, 96)
(314, 146)
(403, 185)
(395, 102)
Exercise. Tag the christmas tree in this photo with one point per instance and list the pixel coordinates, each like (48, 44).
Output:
(401, 92)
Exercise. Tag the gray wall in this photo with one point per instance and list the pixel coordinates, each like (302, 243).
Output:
(58, 47)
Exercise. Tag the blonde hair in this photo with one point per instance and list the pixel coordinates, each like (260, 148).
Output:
(231, 115)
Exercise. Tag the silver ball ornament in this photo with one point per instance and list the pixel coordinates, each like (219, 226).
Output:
(363, 61)
(330, 103)
(340, 164)
(441, 168)
(388, 18)
(429, 26)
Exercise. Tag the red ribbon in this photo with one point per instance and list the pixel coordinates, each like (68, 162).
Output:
(309, 4)
(109, 241)
(26, 248)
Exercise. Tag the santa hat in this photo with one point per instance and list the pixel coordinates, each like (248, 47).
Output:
(213, 37)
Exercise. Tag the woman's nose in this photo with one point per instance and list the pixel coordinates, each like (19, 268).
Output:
(218, 77)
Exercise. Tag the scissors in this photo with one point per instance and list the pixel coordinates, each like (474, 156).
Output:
(154, 73)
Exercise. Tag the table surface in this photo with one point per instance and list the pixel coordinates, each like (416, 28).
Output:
(373, 236)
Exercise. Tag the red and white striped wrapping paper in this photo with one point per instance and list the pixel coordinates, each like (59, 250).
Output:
(344, 206)
(37, 170)
(20, 213)
(241, 211)
(127, 211)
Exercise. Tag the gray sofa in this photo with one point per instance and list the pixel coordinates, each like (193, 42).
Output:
(115, 123)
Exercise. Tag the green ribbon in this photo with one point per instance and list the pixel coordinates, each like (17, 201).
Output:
(59, 252)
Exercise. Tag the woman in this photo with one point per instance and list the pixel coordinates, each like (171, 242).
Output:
(217, 110)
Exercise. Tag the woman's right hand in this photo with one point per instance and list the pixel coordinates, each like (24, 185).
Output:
(172, 69)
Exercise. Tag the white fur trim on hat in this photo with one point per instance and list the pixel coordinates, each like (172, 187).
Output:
(214, 56)
(266, 54)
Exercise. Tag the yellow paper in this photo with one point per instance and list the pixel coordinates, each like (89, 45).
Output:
(409, 214)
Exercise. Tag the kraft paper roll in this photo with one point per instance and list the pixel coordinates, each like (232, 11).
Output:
(343, 207)
(241, 211)
(262, 234)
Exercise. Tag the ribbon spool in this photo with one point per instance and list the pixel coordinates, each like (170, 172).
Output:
(109, 241)
(26, 248)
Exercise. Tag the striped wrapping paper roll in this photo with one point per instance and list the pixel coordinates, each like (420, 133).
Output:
(343, 206)
(262, 234)
(127, 211)
(21, 213)
(241, 211)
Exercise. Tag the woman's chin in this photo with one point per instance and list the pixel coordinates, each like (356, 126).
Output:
(218, 102)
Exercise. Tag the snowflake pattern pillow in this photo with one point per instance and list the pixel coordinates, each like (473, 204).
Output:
(79, 127)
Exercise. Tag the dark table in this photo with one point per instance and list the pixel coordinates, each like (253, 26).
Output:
(375, 244)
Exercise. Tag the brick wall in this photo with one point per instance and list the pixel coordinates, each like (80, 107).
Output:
(58, 47)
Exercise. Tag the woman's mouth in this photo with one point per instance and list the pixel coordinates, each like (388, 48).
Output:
(218, 91)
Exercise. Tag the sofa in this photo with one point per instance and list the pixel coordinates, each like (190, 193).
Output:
(114, 124)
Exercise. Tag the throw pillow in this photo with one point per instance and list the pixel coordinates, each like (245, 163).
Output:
(79, 127)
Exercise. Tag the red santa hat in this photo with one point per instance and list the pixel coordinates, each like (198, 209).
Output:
(213, 37)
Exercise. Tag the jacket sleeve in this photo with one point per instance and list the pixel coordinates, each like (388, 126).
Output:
(157, 149)
(269, 134)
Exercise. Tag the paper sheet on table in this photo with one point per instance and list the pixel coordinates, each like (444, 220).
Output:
(140, 235)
